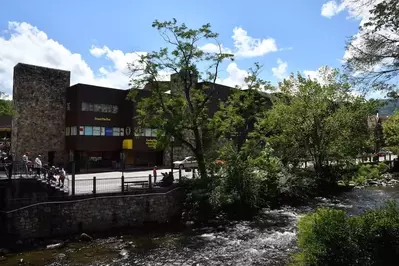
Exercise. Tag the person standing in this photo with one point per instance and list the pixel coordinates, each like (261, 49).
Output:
(154, 172)
(10, 165)
(25, 160)
(38, 165)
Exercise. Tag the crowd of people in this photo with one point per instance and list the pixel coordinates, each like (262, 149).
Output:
(33, 168)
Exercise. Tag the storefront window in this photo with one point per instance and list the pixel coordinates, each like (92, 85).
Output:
(96, 131)
(116, 131)
(81, 130)
(102, 131)
(153, 132)
(74, 131)
(88, 131)
(147, 132)
(67, 131)
(108, 131)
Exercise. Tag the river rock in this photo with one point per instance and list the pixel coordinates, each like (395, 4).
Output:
(85, 237)
(55, 246)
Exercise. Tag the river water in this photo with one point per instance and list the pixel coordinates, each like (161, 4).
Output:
(268, 240)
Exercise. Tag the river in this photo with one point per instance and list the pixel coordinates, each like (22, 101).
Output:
(268, 240)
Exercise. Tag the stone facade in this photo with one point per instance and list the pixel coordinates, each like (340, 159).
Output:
(39, 103)
(56, 219)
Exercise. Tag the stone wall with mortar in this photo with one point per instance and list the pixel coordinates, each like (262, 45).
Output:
(38, 125)
(56, 219)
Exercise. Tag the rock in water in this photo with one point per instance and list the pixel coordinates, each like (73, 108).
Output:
(54, 246)
(85, 237)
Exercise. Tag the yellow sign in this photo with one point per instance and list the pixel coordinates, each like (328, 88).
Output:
(127, 144)
(102, 119)
(151, 143)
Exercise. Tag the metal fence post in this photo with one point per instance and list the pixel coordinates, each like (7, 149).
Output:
(123, 183)
(179, 174)
(94, 185)
(150, 181)
(73, 178)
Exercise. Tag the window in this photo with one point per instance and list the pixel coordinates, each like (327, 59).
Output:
(147, 132)
(88, 131)
(81, 130)
(85, 106)
(108, 131)
(122, 130)
(114, 109)
(74, 131)
(102, 131)
(100, 108)
(96, 131)
(153, 132)
(67, 131)
(116, 131)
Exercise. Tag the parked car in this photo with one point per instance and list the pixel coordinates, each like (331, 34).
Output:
(186, 163)
(383, 153)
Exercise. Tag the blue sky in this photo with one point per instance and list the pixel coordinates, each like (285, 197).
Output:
(55, 33)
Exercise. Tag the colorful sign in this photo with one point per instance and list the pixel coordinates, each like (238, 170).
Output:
(108, 131)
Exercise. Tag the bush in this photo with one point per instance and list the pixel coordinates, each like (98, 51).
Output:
(369, 172)
(329, 237)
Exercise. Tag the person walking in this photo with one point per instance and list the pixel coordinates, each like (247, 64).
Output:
(38, 165)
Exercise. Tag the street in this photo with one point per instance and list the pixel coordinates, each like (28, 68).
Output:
(111, 181)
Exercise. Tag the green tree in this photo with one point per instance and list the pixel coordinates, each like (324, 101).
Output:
(179, 109)
(236, 117)
(321, 120)
(390, 129)
(374, 52)
(5, 105)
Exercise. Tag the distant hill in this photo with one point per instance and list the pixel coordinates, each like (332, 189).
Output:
(389, 108)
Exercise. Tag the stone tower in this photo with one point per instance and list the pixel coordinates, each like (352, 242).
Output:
(38, 126)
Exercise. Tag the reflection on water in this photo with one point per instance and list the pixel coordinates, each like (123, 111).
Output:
(268, 240)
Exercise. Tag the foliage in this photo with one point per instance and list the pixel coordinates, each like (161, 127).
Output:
(374, 53)
(321, 120)
(6, 107)
(237, 116)
(368, 172)
(391, 130)
(179, 110)
(330, 237)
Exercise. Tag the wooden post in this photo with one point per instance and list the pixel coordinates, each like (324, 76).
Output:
(149, 181)
(94, 185)
(73, 178)
(123, 183)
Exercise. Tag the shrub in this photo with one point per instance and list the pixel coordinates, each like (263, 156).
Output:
(329, 237)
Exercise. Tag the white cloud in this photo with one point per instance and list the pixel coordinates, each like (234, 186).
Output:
(281, 70)
(236, 76)
(331, 9)
(25, 43)
(245, 45)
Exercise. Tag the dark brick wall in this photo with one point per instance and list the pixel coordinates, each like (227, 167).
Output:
(40, 103)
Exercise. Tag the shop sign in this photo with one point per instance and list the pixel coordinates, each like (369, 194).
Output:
(108, 131)
(102, 119)
(151, 143)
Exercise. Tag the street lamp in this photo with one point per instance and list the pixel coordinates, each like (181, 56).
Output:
(172, 140)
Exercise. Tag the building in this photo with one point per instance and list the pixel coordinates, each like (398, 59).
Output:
(91, 125)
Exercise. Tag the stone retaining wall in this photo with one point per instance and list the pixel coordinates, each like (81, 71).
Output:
(54, 219)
